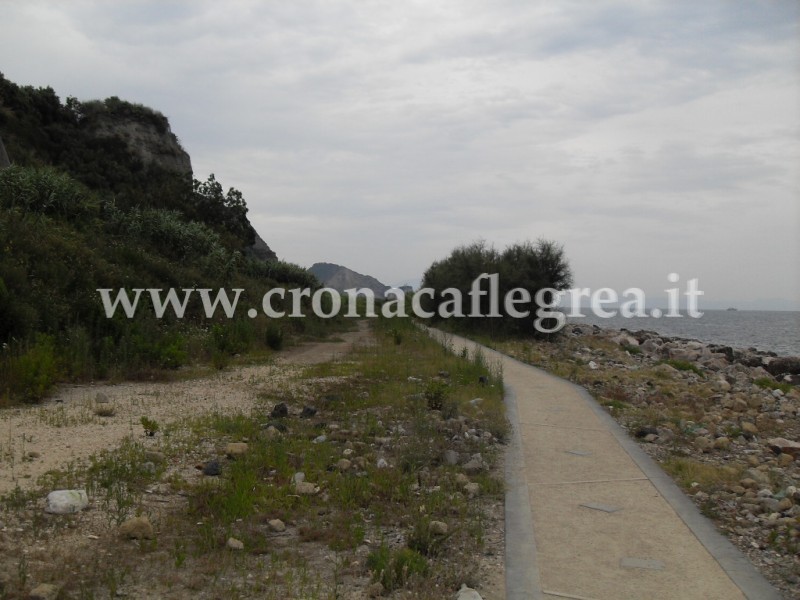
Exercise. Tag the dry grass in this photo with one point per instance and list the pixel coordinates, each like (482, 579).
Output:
(687, 471)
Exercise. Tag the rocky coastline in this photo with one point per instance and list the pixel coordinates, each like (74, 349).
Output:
(723, 421)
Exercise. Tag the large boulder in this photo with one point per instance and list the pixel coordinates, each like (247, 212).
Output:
(784, 365)
(784, 446)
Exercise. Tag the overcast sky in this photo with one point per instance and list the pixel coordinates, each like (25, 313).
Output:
(647, 137)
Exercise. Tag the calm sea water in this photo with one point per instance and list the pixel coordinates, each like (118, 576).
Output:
(776, 331)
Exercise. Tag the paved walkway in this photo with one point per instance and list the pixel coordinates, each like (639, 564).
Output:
(589, 516)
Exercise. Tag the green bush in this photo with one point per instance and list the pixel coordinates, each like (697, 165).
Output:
(274, 337)
(423, 540)
(45, 191)
(172, 234)
(435, 394)
(29, 373)
(162, 350)
(232, 337)
(78, 353)
(394, 568)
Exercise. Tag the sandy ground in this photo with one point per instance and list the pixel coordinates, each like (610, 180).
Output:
(65, 428)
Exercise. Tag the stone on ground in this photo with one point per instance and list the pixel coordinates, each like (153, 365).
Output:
(277, 525)
(66, 502)
(467, 593)
(235, 544)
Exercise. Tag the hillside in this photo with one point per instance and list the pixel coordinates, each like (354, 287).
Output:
(341, 278)
(100, 194)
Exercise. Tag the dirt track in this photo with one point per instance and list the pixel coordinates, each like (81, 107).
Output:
(65, 428)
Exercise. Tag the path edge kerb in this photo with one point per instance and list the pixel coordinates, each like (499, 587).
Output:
(746, 577)
(522, 571)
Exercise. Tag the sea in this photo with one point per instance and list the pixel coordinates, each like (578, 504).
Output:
(770, 331)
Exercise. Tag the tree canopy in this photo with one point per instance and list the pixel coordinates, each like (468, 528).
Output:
(532, 266)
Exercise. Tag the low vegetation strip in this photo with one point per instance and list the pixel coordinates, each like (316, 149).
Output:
(373, 475)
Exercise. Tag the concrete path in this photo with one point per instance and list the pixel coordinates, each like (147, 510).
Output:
(589, 516)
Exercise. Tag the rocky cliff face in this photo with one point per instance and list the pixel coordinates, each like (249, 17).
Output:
(341, 278)
(145, 141)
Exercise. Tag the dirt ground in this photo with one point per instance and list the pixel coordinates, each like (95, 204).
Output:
(66, 429)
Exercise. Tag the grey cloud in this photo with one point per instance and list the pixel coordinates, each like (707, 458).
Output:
(380, 134)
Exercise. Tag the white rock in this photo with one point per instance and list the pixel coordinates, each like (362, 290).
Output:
(593, 365)
(235, 544)
(65, 502)
(467, 593)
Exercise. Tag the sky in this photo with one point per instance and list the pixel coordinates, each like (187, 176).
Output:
(647, 137)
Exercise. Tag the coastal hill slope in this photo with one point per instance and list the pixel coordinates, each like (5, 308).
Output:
(341, 278)
(120, 148)
(100, 195)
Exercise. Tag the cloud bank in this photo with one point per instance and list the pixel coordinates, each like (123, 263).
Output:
(648, 138)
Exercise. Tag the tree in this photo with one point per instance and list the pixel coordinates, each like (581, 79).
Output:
(227, 211)
(532, 266)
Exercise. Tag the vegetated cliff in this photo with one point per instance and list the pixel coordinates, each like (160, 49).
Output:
(341, 278)
(4, 162)
(100, 195)
(147, 135)
(121, 150)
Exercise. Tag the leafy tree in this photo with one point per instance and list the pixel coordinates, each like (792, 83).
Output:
(227, 211)
(532, 266)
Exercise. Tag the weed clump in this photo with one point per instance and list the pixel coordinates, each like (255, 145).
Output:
(684, 365)
(768, 383)
(394, 568)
